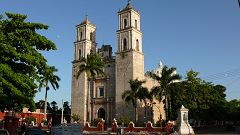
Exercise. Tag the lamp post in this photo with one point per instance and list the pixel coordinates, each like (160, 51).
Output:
(62, 118)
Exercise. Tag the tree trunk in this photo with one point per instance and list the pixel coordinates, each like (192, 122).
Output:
(91, 99)
(45, 104)
(88, 102)
(166, 110)
(135, 111)
(145, 111)
(170, 108)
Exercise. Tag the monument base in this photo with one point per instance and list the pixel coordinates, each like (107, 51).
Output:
(185, 129)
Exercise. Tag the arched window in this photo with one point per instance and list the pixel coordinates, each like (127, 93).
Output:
(137, 45)
(79, 53)
(81, 36)
(124, 44)
(136, 24)
(125, 23)
(91, 36)
(101, 113)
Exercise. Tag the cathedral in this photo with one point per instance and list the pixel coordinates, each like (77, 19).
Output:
(128, 63)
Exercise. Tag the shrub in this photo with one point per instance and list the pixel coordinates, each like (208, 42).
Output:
(30, 119)
(123, 119)
(157, 124)
(45, 122)
(95, 121)
(1, 122)
(76, 118)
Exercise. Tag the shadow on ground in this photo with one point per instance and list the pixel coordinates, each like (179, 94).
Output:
(217, 130)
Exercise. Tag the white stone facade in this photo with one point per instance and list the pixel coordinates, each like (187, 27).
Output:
(106, 101)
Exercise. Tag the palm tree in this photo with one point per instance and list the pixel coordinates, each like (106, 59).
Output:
(93, 66)
(48, 77)
(144, 95)
(40, 104)
(168, 76)
(54, 106)
(136, 92)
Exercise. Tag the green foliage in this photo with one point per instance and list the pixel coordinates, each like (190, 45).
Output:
(53, 104)
(40, 105)
(96, 121)
(123, 119)
(164, 89)
(67, 111)
(1, 122)
(47, 77)
(204, 100)
(30, 119)
(232, 110)
(137, 91)
(76, 118)
(21, 63)
(44, 121)
(158, 123)
(92, 65)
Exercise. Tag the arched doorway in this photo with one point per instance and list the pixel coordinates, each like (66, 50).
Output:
(101, 113)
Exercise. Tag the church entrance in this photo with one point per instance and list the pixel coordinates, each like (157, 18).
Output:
(101, 113)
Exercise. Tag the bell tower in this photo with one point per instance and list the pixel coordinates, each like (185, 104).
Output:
(84, 44)
(129, 55)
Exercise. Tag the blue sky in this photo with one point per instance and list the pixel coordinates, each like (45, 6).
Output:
(203, 35)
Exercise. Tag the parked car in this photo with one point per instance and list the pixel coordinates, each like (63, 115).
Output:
(34, 131)
(3, 132)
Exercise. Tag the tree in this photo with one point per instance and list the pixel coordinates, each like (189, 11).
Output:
(40, 104)
(76, 118)
(67, 111)
(93, 66)
(144, 95)
(21, 63)
(233, 110)
(48, 77)
(54, 105)
(204, 100)
(54, 112)
(167, 78)
(136, 92)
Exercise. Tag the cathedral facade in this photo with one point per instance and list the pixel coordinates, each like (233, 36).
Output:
(128, 63)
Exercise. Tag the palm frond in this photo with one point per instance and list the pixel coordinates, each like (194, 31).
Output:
(92, 66)
(49, 76)
(153, 75)
(126, 93)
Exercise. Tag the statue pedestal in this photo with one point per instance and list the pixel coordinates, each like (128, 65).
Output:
(184, 128)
